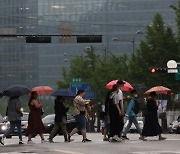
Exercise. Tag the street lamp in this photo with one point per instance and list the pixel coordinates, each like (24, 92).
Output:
(140, 32)
(65, 54)
(66, 60)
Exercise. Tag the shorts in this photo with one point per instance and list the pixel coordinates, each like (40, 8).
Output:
(80, 122)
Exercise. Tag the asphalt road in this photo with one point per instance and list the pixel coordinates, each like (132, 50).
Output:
(97, 146)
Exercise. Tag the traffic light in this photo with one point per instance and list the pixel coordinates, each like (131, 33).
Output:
(38, 39)
(89, 38)
(153, 70)
(158, 70)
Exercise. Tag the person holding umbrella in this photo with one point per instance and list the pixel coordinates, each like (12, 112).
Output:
(120, 85)
(14, 112)
(80, 113)
(35, 124)
(151, 124)
(115, 114)
(14, 115)
(60, 119)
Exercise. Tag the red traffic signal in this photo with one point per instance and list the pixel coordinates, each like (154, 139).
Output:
(153, 70)
(158, 70)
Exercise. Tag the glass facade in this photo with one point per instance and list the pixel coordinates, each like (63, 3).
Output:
(18, 60)
(41, 64)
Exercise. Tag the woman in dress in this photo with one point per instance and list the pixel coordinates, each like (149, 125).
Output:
(80, 113)
(151, 124)
(35, 124)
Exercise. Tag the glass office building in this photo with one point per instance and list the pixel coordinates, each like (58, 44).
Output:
(18, 60)
(41, 64)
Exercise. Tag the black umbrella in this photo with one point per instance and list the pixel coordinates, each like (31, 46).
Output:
(64, 93)
(16, 90)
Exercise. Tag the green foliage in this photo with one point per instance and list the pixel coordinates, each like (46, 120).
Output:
(160, 46)
(95, 71)
(154, 52)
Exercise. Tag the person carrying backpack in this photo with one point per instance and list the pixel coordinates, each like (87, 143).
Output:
(132, 111)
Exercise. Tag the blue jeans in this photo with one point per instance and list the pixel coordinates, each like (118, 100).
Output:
(80, 122)
(12, 127)
(132, 120)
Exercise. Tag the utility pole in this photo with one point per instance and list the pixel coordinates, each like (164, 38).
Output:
(105, 53)
(133, 42)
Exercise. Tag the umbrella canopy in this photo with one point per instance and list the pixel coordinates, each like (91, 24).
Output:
(64, 93)
(16, 90)
(127, 86)
(158, 90)
(43, 90)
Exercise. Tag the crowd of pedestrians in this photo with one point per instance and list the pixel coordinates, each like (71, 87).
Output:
(113, 114)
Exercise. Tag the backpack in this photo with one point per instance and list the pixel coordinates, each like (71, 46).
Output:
(136, 106)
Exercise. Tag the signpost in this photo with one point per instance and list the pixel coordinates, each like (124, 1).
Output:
(178, 76)
(77, 83)
(172, 66)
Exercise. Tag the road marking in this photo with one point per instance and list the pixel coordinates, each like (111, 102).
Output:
(65, 151)
(17, 153)
(173, 139)
(156, 152)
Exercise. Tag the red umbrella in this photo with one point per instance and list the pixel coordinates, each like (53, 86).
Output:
(158, 90)
(127, 86)
(42, 90)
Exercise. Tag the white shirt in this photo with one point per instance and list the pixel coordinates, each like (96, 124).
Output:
(116, 99)
(120, 94)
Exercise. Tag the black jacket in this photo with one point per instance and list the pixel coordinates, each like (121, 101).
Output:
(60, 111)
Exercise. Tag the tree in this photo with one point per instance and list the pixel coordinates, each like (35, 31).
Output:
(159, 46)
(96, 71)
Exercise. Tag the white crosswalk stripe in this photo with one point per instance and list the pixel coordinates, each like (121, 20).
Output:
(157, 152)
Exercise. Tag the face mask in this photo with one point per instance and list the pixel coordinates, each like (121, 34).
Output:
(136, 95)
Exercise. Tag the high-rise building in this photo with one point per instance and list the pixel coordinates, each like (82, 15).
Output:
(18, 60)
(118, 21)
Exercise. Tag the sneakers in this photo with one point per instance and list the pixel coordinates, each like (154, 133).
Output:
(86, 140)
(142, 138)
(2, 140)
(125, 138)
(116, 138)
(21, 143)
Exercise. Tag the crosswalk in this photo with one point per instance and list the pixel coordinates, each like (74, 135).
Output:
(157, 152)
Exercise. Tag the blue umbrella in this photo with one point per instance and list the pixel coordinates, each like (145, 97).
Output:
(16, 90)
(64, 93)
